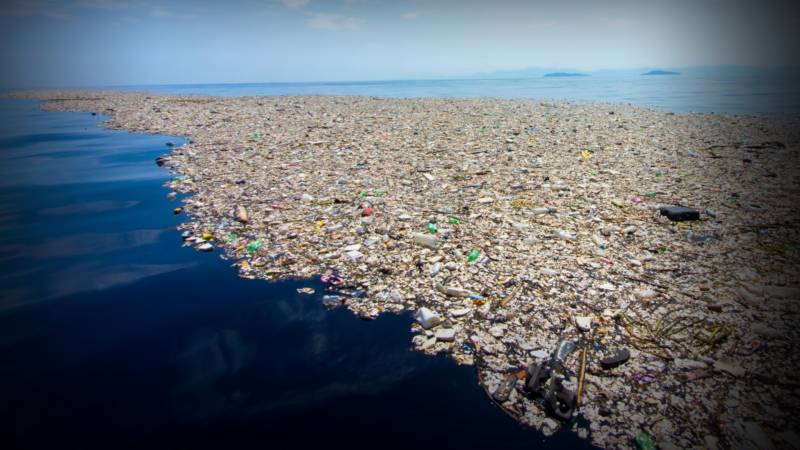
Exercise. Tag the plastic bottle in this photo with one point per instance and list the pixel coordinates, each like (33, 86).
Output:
(254, 246)
(644, 442)
(473, 255)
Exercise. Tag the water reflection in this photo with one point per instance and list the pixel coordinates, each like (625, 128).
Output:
(88, 207)
(294, 356)
(82, 244)
(83, 277)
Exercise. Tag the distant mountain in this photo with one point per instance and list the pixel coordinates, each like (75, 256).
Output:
(727, 70)
(661, 72)
(529, 72)
(565, 74)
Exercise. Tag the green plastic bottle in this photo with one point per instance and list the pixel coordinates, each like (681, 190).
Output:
(473, 255)
(254, 246)
(452, 221)
(432, 228)
(644, 442)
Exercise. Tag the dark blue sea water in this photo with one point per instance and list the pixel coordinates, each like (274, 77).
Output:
(734, 93)
(114, 336)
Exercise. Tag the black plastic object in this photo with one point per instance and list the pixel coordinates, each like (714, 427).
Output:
(560, 401)
(538, 374)
(617, 359)
(545, 380)
(679, 213)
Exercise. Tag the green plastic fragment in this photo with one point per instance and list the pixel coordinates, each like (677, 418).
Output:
(254, 246)
(658, 173)
(432, 228)
(232, 237)
(473, 255)
(644, 442)
(452, 221)
(362, 194)
(650, 194)
(381, 191)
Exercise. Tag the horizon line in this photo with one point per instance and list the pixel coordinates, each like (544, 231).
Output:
(469, 77)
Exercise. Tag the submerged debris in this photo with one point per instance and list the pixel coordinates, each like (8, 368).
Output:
(511, 226)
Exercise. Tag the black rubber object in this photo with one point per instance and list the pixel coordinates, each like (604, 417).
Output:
(619, 358)
(679, 213)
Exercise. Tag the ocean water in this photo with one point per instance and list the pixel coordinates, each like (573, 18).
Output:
(114, 336)
(725, 93)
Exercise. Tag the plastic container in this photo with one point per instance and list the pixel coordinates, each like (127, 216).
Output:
(427, 318)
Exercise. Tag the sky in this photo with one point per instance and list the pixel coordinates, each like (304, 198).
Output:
(138, 42)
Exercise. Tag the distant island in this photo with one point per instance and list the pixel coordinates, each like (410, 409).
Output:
(565, 74)
(661, 72)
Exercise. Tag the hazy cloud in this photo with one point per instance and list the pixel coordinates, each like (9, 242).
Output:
(58, 9)
(333, 22)
(164, 13)
(614, 21)
(108, 5)
(27, 8)
(294, 3)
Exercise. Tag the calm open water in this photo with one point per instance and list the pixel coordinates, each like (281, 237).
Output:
(114, 336)
(761, 93)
